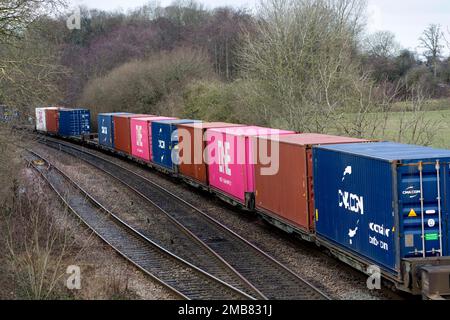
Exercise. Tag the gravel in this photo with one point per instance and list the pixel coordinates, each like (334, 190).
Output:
(335, 278)
(105, 274)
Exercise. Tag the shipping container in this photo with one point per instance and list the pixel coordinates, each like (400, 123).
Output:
(165, 142)
(284, 179)
(141, 136)
(122, 131)
(231, 161)
(74, 122)
(52, 119)
(192, 144)
(41, 123)
(383, 202)
(106, 128)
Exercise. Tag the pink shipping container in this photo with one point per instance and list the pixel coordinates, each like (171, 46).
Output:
(141, 136)
(231, 163)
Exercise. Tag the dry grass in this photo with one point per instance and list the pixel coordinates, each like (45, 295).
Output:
(39, 239)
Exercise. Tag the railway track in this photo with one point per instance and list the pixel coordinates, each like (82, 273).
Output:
(270, 278)
(181, 277)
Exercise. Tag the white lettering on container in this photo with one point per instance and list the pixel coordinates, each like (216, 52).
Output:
(351, 202)
(139, 136)
(224, 157)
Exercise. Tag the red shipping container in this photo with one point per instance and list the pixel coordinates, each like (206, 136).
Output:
(52, 119)
(122, 132)
(141, 136)
(231, 160)
(192, 144)
(287, 192)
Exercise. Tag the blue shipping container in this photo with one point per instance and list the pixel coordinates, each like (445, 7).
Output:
(165, 142)
(74, 122)
(383, 201)
(106, 128)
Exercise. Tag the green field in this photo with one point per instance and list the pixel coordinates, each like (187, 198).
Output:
(430, 127)
(439, 127)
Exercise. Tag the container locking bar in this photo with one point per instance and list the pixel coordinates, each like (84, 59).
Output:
(424, 253)
(438, 179)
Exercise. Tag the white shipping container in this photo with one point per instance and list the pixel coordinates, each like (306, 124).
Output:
(41, 123)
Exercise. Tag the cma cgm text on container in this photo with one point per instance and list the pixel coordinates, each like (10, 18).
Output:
(288, 195)
(383, 202)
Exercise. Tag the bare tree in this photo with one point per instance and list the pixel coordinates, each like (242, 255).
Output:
(301, 59)
(431, 41)
(17, 15)
(28, 67)
(382, 44)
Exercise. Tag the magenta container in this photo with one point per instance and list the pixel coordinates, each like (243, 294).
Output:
(231, 164)
(141, 140)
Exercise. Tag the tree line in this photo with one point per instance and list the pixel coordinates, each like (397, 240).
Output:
(306, 65)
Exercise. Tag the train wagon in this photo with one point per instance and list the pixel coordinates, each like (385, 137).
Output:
(141, 136)
(52, 119)
(192, 145)
(165, 143)
(41, 124)
(231, 162)
(106, 128)
(386, 205)
(74, 122)
(122, 131)
(47, 119)
(290, 205)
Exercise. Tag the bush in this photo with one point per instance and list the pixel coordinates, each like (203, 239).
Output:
(146, 86)
(218, 101)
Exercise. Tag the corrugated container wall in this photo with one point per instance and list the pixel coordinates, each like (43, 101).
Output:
(74, 122)
(284, 180)
(192, 144)
(52, 119)
(165, 142)
(122, 131)
(230, 160)
(41, 123)
(141, 136)
(106, 128)
(374, 200)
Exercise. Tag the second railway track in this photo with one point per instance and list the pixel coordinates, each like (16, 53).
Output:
(270, 278)
(184, 279)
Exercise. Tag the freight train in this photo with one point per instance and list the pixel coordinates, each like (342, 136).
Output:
(377, 206)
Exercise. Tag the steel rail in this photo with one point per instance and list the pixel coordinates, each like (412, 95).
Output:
(179, 276)
(269, 276)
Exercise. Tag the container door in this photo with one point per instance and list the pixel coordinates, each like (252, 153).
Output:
(85, 122)
(354, 202)
(41, 123)
(422, 204)
(162, 148)
(174, 148)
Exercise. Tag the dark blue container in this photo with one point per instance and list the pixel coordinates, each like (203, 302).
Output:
(106, 128)
(382, 202)
(74, 122)
(165, 142)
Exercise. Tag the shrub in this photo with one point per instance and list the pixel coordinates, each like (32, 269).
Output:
(145, 86)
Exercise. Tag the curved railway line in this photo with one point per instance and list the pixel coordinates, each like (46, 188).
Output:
(181, 277)
(262, 274)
